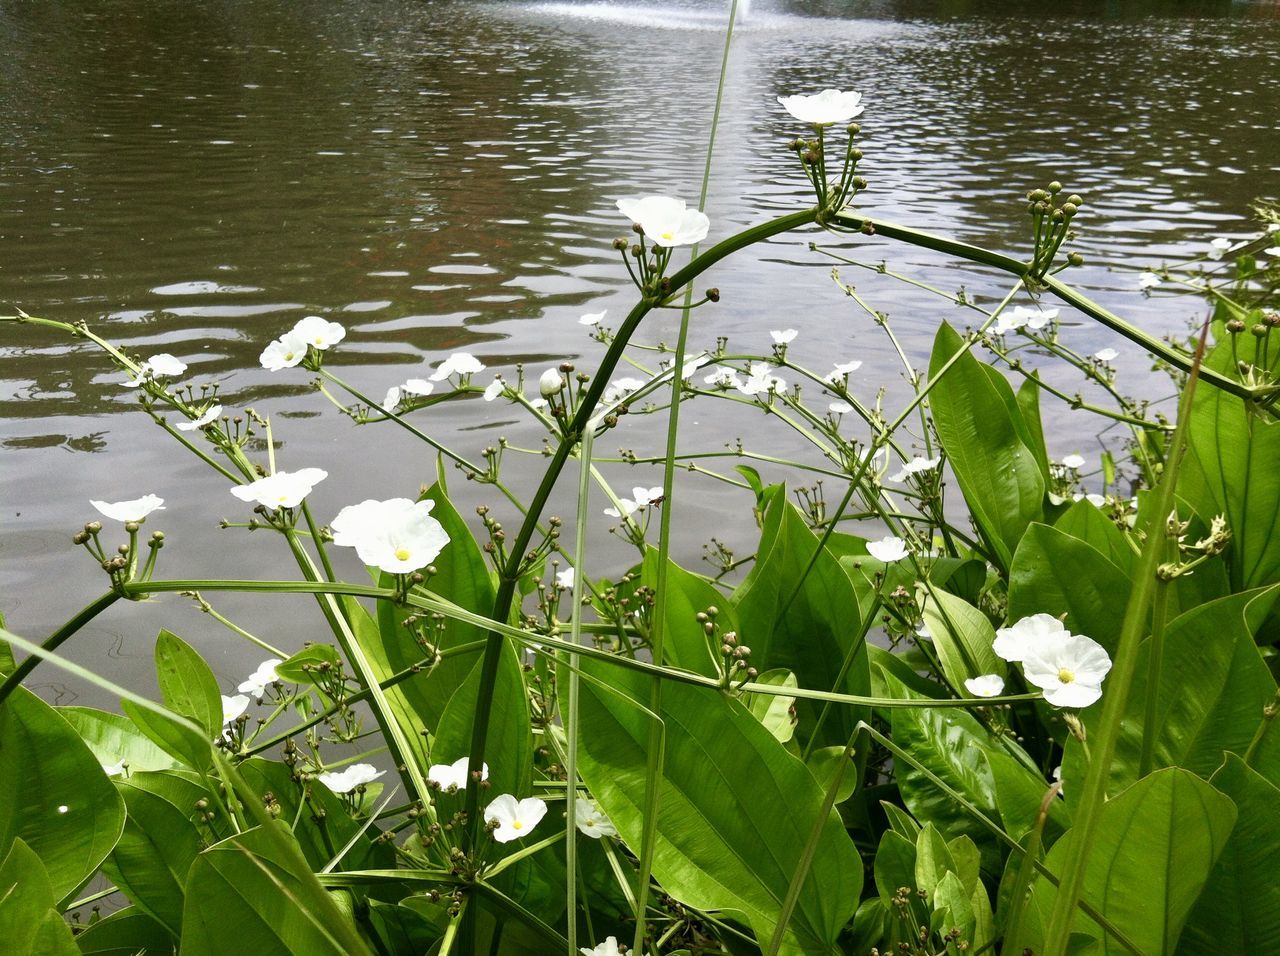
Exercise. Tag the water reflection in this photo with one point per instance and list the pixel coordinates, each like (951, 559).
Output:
(194, 178)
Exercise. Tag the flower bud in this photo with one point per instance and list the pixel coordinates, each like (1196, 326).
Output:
(713, 295)
(1069, 209)
(1259, 331)
(551, 383)
(1075, 258)
(1055, 187)
(1075, 200)
(1235, 326)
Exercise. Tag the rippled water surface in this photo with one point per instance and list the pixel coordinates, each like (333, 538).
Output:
(195, 177)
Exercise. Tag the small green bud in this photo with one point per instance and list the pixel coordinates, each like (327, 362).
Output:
(1259, 331)
(1055, 187)
(1235, 326)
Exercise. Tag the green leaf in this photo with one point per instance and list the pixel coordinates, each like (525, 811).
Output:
(294, 670)
(950, 744)
(772, 710)
(1087, 523)
(1237, 448)
(1212, 691)
(825, 762)
(29, 920)
(933, 859)
(462, 576)
(151, 858)
(1028, 402)
(812, 634)
(1019, 796)
(53, 793)
(510, 725)
(400, 929)
(1239, 909)
(113, 738)
(1154, 848)
(686, 644)
(252, 894)
(735, 810)
(895, 864)
(998, 473)
(1054, 573)
(953, 909)
(962, 636)
(182, 743)
(126, 932)
(186, 683)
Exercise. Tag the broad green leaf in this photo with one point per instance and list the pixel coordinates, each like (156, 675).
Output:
(113, 738)
(1212, 691)
(1238, 449)
(895, 864)
(510, 743)
(29, 921)
(686, 645)
(962, 636)
(186, 683)
(1028, 401)
(773, 710)
(461, 576)
(1087, 523)
(53, 793)
(723, 840)
(953, 909)
(933, 859)
(151, 858)
(400, 929)
(253, 894)
(976, 418)
(1019, 796)
(825, 762)
(1055, 573)
(1239, 909)
(1155, 846)
(126, 932)
(808, 624)
(951, 744)
(181, 743)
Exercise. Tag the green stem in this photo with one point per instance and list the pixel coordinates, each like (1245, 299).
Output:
(56, 639)
(1102, 741)
(1155, 662)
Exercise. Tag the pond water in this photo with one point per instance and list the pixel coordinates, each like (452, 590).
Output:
(194, 177)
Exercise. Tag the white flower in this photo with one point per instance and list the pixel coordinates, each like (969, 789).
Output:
(1022, 315)
(825, 108)
(551, 383)
(233, 707)
(207, 418)
(259, 679)
(113, 769)
(1273, 251)
(515, 818)
(724, 378)
(592, 318)
(1070, 671)
(691, 365)
(888, 549)
(392, 399)
(761, 380)
(1073, 461)
(620, 388)
(135, 510)
(665, 220)
(915, 466)
(646, 496)
(988, 685)
(494, 389)
(538, 403)
(345, 781)
(842, 370)
(840, 408)
(1148, 280)
(1039, 630)
(398, 535)
(785, 337)
(453, 776)
(564, 579)
(319, 333)
(1106, 355)
(608, 948)
(285, 352)
(162, 365)
(1218, 248)
(418, 386)
(460, 364)
(626, 507)
(284, 489)
(590, 819)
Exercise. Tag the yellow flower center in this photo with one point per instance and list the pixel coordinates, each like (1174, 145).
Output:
(1066, 676)
(288, 356)
(668, 236)
(517, 825)
(282, 498)
(402, 554)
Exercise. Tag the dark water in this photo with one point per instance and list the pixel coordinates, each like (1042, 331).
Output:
(194, 177)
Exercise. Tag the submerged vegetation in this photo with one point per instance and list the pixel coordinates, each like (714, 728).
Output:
(961, 698)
